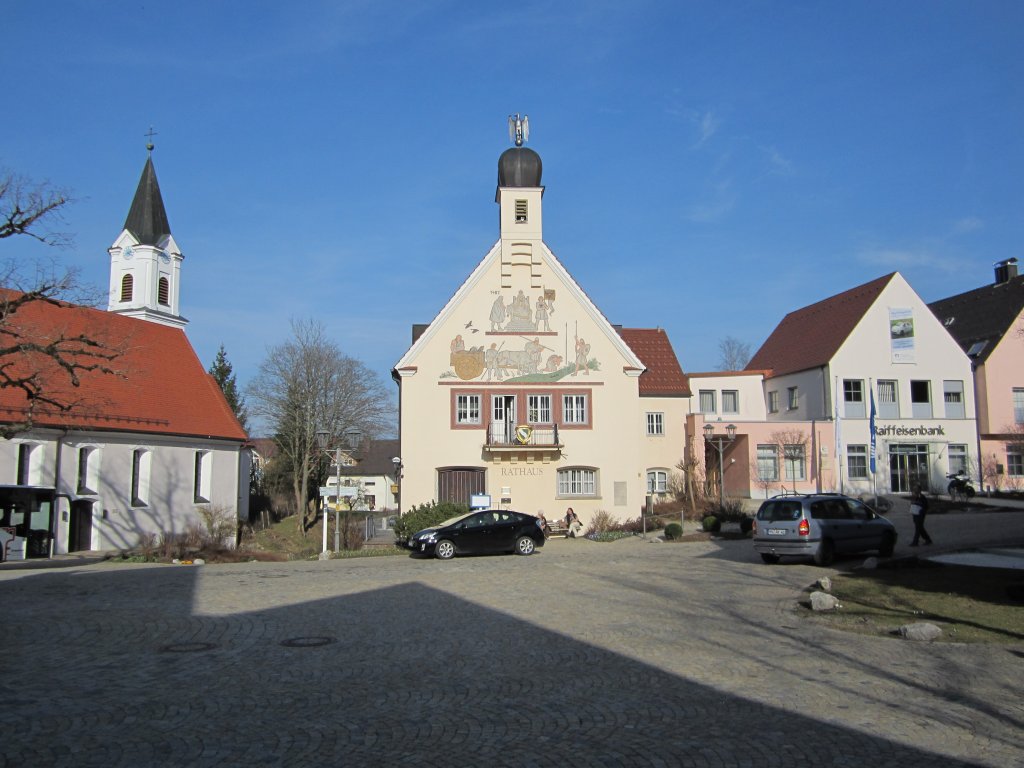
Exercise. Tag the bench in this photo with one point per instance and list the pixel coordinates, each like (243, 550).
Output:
(557, 528)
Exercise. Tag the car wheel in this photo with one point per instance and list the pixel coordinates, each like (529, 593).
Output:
(888, 545)
(444, 550)
(525, 545)
(769, 558)
(825, 554)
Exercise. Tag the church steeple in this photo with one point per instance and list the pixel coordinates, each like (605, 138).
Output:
(147, 218)
(145, 261)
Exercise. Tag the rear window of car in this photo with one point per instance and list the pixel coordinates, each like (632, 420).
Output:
(779, 510)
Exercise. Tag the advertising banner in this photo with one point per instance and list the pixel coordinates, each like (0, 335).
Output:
(901, 335)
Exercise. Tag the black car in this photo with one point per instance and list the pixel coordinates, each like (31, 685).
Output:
(490, 531)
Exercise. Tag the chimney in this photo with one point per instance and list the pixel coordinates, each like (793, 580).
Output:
(1006, 270)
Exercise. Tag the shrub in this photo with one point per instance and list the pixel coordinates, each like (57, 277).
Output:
(426, 515)
(746, 525)
(602, 522)
(711, 524)
(673, 531)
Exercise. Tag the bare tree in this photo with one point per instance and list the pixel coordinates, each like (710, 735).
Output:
(733, 354)
(30, 208)
(39, 357)
(307, 384)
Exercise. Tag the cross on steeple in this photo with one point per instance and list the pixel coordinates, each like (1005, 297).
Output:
(149, 135)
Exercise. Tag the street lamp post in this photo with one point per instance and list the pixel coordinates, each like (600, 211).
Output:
(719, 442)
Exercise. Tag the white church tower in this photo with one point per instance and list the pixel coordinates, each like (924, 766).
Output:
(145, 261)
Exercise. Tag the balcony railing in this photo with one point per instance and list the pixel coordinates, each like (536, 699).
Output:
(501, 435)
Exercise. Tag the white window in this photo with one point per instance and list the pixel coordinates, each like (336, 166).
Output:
(888, 399)
(953, 397)
(767, 462)
(467, 409)
(1018, 405)
(794, 398)
(203, 477)
(538, 409)
(140, 477)
(773, 401)
(88, 470)
(794, 457)
(655, 424)
(730, 401)
(707, 401)
(657, 481)
(574, 409)
(522, 211)
(577, 482)
(957, 458)
(857, 462)
(853, 399)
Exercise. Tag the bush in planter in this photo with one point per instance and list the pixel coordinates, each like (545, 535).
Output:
(711, 524)
(673, 531)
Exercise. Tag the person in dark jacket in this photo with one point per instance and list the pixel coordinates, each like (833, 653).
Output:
(918, 511)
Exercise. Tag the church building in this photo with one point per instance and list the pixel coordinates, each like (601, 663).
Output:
(521, 394)
(149, 448)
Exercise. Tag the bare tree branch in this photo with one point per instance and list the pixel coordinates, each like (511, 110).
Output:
(28, 208)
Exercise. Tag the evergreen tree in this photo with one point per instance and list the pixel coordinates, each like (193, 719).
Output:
(222, 371)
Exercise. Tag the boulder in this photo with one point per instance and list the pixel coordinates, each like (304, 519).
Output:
(921, 630)
(822, 601)
(825, 584)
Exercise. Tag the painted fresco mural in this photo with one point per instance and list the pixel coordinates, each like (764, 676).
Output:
(520, 342)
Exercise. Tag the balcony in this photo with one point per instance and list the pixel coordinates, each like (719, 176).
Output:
(511, 438)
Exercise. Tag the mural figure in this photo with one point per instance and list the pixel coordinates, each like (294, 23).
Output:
(491, 362)
(543, 311)
(582, 351)
(498, 313)
(522, 314)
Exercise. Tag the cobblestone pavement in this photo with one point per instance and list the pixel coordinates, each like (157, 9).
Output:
(623, 654)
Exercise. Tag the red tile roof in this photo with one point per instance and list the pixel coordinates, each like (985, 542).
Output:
(159, 385)
(810, 337)
(664, 377)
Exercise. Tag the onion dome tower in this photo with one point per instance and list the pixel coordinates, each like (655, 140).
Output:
(519, 196)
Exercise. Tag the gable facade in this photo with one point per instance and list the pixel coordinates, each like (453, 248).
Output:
(522, 391)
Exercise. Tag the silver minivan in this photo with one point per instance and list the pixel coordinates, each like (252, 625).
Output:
(820, 526)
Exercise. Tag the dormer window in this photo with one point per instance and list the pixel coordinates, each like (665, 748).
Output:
(521, 211)
(162, 291)
(127, 282)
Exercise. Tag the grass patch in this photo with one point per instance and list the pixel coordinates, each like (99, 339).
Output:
(970, 605)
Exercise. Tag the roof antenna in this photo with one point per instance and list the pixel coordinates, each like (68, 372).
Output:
(149, 135)
(518, 129)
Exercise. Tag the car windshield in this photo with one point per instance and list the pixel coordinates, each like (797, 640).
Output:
(779, 510)
(455, 519)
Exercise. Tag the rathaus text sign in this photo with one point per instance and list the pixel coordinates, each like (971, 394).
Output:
(893, 431)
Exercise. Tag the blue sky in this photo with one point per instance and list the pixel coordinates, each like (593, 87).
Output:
(710, 166)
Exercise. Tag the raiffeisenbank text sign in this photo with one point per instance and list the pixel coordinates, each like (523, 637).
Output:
(891, 430)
